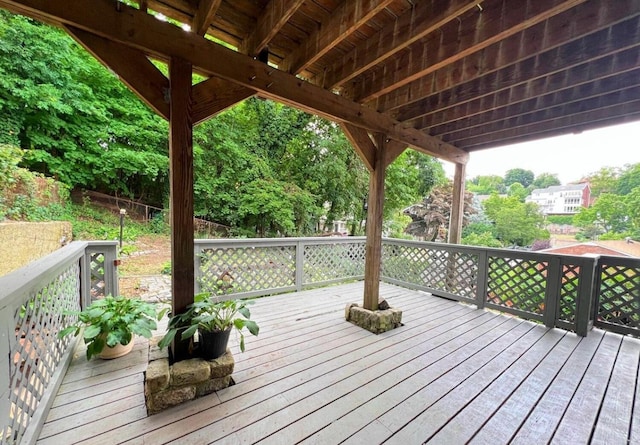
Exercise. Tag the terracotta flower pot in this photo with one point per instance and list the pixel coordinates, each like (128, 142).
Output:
(117, 351)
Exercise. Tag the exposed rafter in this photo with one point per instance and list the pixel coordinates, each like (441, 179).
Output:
(587, 120)
(564, 59)
(421, 20)
(513, 108)
(163, 40)
(499, 19)
(132, 66)
(204, 15)
(347, 18)
(558, 30)
(617, 63)
(273, 18)
(548, 116)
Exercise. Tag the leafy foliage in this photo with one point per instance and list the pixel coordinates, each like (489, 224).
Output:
(432, 215)
(516, 223)
(520, 175)
(210, 315)
(111, 321)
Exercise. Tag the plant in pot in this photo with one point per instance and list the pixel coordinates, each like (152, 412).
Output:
(213, 320)
(110, 323)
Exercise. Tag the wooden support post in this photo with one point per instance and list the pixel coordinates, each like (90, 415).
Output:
(457, 205)
(181, 197)
(373, 255)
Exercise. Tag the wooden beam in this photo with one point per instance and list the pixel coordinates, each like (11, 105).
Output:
(204, 15)
(131, 65)
(497, 21)
(394, 149)
(583, 81)
(271, 20)
(584, 19)
(133, 27)
(361, 143)
(457, 205)
(576, 127)
(570, 123)
(181, 195)
(346, 19)
(215, 95)
(373, 247)
(424, 18)
(563, 103)
(599, 45)
(143, 5)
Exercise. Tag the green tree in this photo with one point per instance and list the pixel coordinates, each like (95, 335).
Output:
(629, 179)
(524, 177)
(609, 213)
(486, 185)
(544, 180)
(517, 190)
(604, 180)
(516, 223)
(75, 120)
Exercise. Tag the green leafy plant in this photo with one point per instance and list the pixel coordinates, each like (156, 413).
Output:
(113, 320)
(210, 315)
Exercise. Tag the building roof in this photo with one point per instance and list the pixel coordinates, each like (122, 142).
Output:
(446, 77)
(609, 247)
(562, 188)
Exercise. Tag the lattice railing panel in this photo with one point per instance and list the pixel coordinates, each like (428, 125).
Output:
(326, 262)
(517, 283)
(226, 270)
(569, 292)
(452, 272)
(619, 301)
(36, 350)
(97, 275)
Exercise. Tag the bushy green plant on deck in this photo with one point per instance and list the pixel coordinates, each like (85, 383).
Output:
(113, 320)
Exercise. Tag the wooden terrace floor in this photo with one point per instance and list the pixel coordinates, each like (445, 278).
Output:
(451, 375)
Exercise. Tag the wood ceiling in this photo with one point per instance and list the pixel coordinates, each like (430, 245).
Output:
(444, 76)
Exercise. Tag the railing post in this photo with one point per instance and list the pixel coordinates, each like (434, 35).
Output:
(111, 270)
(587, 301)
(197, 268)
(85, 279)
(482, 279)
(552, 293)
(299, 265)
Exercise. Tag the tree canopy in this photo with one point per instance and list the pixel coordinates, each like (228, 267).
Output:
(259, 167)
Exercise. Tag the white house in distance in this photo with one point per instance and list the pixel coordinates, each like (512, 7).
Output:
(561, 199)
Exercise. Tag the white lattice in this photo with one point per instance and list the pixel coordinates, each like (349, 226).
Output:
(226, 270)
(326, 262)
(36, 349)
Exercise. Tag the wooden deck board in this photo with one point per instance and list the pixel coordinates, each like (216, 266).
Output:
(451, 374)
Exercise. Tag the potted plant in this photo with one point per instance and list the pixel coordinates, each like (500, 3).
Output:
(110, 323)
(213, 320)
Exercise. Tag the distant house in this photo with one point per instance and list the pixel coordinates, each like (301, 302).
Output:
(561, 199)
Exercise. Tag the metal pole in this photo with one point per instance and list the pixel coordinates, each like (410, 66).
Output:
(122, 213)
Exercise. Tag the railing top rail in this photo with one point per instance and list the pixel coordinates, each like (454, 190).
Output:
(102, 243)
(620, 260)
(278, 241)
(16, 284)
(493, 251)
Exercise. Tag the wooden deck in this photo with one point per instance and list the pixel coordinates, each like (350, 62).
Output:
(451, 375)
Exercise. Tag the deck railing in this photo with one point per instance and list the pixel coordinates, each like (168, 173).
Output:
(32, 302)
(255, 267)
(571, 292)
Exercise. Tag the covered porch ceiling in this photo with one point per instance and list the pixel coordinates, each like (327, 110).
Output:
(445, 77)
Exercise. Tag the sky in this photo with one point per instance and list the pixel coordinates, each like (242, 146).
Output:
(571, 157)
